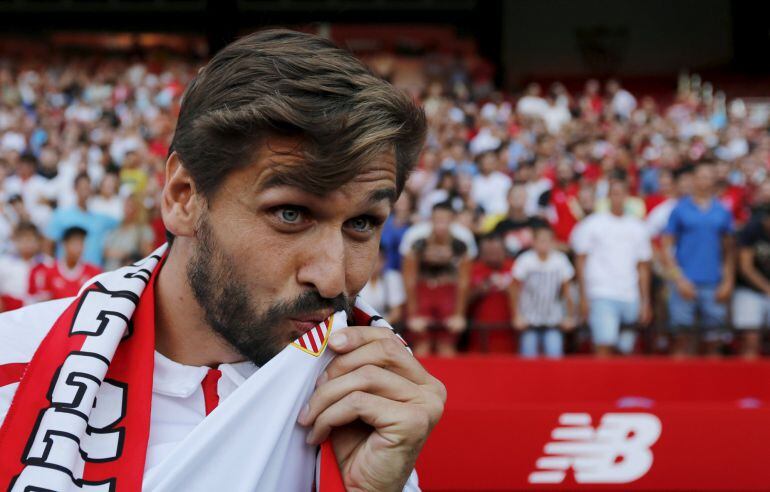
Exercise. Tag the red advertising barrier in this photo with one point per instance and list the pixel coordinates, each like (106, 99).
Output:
(587, 424)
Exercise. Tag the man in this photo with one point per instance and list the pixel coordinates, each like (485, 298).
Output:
(23, 270)
(287, 156)
(65, 276)
(436, 276)
(751, 303)
(516, 228)
(697, 248)
(490, 186)
(96, 225)
(540, 296)
(490, 310)
(613, 270)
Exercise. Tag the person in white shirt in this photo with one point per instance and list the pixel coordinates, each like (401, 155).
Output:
(532, 105)
(385, 291)
(613, 265)
(540, 293)
(107, 201)
(622, 102)
(34, 190)
(490, 187)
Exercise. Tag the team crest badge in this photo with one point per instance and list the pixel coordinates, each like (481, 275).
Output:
(314, 341)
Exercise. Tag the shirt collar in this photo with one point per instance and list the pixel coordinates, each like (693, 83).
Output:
(171, 378)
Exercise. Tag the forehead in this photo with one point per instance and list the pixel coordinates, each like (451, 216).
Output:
(281, 165)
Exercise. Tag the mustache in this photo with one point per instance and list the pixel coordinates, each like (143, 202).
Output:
(309, 303)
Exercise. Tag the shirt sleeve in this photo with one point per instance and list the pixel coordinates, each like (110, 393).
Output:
(519, 269)
(728, 226)
(644, 251)
(580, 237)
(674, 225)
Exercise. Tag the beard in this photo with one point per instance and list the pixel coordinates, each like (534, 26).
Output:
(223, 293)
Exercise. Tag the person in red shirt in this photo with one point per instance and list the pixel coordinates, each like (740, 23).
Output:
(490, 310)
(68, 274)
(564, 202)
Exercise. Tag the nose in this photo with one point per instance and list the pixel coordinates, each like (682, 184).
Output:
(324, 266)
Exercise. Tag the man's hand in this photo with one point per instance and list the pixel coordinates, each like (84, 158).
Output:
(520, 323)
(686, 289)
(378, 404)
(568, 323)
(724, 291)
(417, 324)
(645, 313)
(456, 323)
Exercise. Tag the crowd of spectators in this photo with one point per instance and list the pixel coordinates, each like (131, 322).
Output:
(540, 223)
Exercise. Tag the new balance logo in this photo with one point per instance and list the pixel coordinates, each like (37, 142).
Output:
(617, 451)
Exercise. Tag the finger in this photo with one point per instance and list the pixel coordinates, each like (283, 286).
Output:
(387, 352)
(381, 413)
(370, 379)
(352, 337)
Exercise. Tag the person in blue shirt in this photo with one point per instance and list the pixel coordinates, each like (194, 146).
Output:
(699, 257)
(97, 226)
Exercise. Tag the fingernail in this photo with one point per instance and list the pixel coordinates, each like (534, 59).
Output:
(309, 438)
(303, 414)
(338, 340)
(322, 379)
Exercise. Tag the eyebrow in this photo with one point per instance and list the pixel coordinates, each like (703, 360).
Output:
(388, 194)
(279, 180)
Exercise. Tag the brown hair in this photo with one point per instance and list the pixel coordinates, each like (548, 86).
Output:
(286, 83)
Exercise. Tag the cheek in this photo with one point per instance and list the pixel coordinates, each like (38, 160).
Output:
(263, 259)
(361, 260)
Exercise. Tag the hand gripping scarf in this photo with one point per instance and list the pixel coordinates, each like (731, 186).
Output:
(80, 417)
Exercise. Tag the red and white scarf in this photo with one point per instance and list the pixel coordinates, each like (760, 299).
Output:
(80, 417)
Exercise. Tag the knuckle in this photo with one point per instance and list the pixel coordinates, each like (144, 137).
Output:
(357, 399)
(368, 375)
(392, 348)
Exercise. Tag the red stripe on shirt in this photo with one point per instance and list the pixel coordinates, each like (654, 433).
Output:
(210, 393)
(11, 373)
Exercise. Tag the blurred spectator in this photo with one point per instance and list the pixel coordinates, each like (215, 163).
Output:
(490, 311)
(23, 270)
(613, 271)
(516, 228)
(393, 231)
(107, 201)
(96, 225)
(132, 240)
(622, 102)
(64, 277)
(385, 291)
(539, 294)
(751, 304)
(436, 274)
(490, 186)
(699, 233)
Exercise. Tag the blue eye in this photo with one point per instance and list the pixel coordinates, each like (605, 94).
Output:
(290, 215)
(362, 224)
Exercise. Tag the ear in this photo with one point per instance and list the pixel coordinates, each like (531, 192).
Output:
(181, 205)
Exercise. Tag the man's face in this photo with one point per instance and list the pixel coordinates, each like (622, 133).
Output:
(73, 248)
(703, 179)
(617, 195)
(83, 189)
(27, 244)
(492, 251)
(271, 261)
(441, 220)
